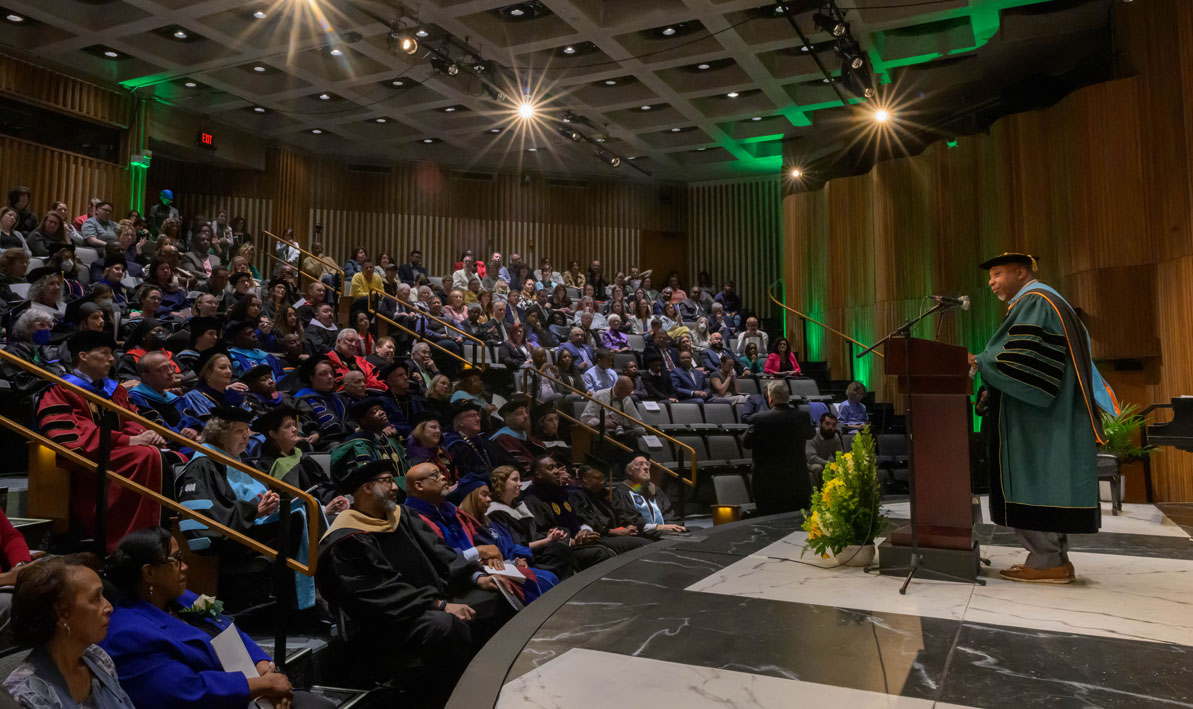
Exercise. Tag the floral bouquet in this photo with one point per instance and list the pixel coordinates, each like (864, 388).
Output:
(845, 510)
(205, 606)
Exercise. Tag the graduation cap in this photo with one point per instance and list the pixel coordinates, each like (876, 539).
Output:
(517, 401)
(87, 340)
(426, 415)
(140, 331)
(200, 325)
(206, 356)
(469, 370)
(255, 373)
(362, 407)
(39, 273)
(55, 248)
(238, 277)
(306, 370)
(235, 327)
(78, 309)
(463, 406)
(466, 485)
(541, 411)
(355, 463)
(231, 413)
(1010, 257)
(271, 419)
(388, 369)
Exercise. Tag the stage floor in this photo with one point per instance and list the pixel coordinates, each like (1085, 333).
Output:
(738, 618)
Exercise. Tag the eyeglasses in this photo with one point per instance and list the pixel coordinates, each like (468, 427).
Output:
(173, 559)
(385, 480)
(437, 475)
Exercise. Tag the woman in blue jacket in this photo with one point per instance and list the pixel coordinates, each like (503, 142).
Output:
(160, 638)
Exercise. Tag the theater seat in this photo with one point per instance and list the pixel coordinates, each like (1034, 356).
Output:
(721, 417)
(731, 490)
(685, 417)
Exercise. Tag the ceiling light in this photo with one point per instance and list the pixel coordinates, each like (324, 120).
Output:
(379, 120)
(14, 17)
(804, 48)
(444, 66)
(701, 150)
(702, 67)
(869, 92)
(732, 94)
(258, 68)
(570, 133)
(478, 68)
(324, 97)
(795, 173)
(632, 157)
(610, 82)
(422, 33)
(826, 80)
(569, 50)
(259, 15)
(645, 108)
(881, 116)
(517, 12)
(676, 130)
(608, 158)
(830, 24)
(857, 63)
(756, 118)
(428, 140)
(526, 110)
(111, 54)
(532, 150)
(337, 52)
(190, 84)
(258, 109)
(180, 34)
(407, 42)
(668, 31)
(449, 109)
(398, 82)
(494, 130)
(317, 131)
(599, 139)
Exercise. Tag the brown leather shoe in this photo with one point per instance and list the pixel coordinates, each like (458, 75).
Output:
(1057, 574)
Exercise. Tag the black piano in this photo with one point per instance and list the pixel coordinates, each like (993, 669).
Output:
(1177, 433)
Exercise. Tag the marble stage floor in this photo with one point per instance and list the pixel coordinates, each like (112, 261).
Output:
(738, 618)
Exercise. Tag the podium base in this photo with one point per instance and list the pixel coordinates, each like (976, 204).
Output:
(958, 565)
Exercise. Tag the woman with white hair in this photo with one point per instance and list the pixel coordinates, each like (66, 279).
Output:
(45, 293)
(613, 339)
(29, 339)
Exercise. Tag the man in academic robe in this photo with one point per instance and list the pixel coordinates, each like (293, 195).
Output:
(148, 336)
(777, 437)
(245, 352)
(281, 456)
(1044, 421)
(401, 404)
(514, 438)
(156, 402)
(378, 434)
(320, 333)
(593, 504)
(401, 587)
(642, 504)
(346, 357)
(471, 450)
(69, 419)
(263, 395)
(319, 409)
(547, 499)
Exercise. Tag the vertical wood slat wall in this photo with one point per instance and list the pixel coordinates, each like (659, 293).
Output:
(53, 174)
(33, 83)
(1099, 187)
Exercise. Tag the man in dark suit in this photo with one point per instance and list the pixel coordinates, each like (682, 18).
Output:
(780, 476)
(688, 381)
(583, 356)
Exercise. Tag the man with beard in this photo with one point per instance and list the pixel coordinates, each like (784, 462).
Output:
(377, 435)
(514, 438)
(402, 589)
(547, 499)
(470, 449)
(822, 448)
(641, 503)
(593, 504)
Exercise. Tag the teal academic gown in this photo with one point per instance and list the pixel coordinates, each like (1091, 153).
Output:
(1044, 423)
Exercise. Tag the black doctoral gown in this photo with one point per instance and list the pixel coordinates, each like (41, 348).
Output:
(551, 508)
(598, 513)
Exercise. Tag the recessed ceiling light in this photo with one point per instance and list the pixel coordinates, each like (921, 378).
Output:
(449, 109)
(610, 82)
(804, 48)
(398, 82)
(180, 34)
(826, 81)
(668, 31)
(732, 94)
(532, 150)
(494, 130)
(259, 15)
(599, 139)
(756, 118)
(569, 50)
(337, 52)
(422, 33)
(190, 84)
(702, 67)
(701, 150)
(317, 131)
(324, 97)
(379, 120)
(632, 157)
(517, 12)
(259, 109)
(258, 68)
(14, 17)
(676, 130)
(428, 140)
(109, 53)
(645, 108)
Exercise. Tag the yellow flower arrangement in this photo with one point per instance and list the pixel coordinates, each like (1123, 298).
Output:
(845, 510)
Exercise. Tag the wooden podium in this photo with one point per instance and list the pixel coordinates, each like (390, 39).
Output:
(935, 377)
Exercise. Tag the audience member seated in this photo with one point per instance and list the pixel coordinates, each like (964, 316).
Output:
(45, 292)
(514, 353)
(68, 419)
(514, 438)
(365, 280)
(751, 361)
(582, 353)
(544, 426)
(401, 404)
(60, 611)
(216, 386)
(321, 332)
(99, 230)
(199, 261)
(29, 339)
(632, 371)
(723, 381)
(755, 404)
(154, 399)
(410, 271)
(822, 448)
(752, 334)
(710, 357)
(174, 298)
(659, 344)
(14, 559)
(731, 302)
(719, 322)
(203, 334)
(160, 639)
(547, 500)
(241, 502)
(618, 398)
(13, 265)
(246, 352)
(656, 381)
(640, 503)
(781, 362)
(403, 590)
(601, 376)
(49, 233)
(346, 357)
(378, 435)
(425, 445)
(423, 367)
(316, 295)
(320, 411)
(689, 382)
(852, 411)
(593, 503)
(282, 458)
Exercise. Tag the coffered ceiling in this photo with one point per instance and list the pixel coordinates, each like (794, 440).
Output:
(687, 89)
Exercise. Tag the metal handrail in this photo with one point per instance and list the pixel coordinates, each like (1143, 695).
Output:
(624, 415)
(344, 285)
(423, 338)
(420, 311)
(771, 295)
(619, 444)
(309, 502)
(140, 489)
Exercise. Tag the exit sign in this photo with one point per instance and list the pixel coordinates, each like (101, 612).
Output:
(206, 140)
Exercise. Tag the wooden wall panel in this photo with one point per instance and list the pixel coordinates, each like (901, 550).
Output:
(35, 84)
(53, 174)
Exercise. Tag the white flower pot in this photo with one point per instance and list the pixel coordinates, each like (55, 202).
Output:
(856, 555)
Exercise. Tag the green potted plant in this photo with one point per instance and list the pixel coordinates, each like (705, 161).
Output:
(1122, 433)
(845, 512)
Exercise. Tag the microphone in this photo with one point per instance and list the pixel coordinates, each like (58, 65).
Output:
(962, 301)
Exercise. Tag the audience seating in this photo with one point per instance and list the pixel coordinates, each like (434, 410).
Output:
(748, 386)
(637, 342)
(731, 490)
(722, 417)
(621, 359)
(659, 419)
(892, 456)
(685, 416)
(724, 449)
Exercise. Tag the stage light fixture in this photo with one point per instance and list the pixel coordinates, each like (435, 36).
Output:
(869, 92)
(608, 158)
(569, 117)
(571, 133)
(857, 63)
(882, 116)
(830, 24)
(407, 42)
(444, 66)
(526, 110)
